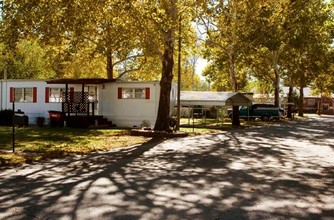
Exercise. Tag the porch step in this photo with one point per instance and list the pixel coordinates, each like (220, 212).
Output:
(105, 126)
(88, 122)
(102, 123)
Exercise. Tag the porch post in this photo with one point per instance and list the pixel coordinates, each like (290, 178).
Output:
(67, 101)
(83, 93)
(83, 101)
(13, 128)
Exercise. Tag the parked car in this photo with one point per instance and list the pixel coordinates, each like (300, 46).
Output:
(265, 112)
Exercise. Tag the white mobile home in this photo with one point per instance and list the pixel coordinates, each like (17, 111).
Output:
(126, 104)
(28, 96)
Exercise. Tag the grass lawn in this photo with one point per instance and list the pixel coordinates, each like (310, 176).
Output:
(213, 125)
(34, 143)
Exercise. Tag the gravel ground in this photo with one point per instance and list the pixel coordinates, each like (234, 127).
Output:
(284, 171)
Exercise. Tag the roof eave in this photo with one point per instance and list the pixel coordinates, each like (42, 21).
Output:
(80, 81)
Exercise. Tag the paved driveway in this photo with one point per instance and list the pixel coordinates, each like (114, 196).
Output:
(278, 172)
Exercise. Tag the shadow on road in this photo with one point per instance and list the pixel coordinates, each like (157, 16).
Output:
(280, 172)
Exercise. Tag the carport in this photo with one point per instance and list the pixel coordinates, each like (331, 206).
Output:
(195, 100)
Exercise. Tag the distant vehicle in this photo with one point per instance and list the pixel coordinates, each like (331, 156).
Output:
(265, 112)
(198, 111)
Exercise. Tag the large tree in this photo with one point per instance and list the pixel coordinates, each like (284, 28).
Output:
(290, 39)
(266, 56)
(324, 82)
(274, 39)
(224, 23)
(310, 40)
(159, 22)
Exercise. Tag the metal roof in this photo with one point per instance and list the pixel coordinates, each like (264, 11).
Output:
(191, 98)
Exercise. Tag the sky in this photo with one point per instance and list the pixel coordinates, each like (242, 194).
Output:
(201, 64)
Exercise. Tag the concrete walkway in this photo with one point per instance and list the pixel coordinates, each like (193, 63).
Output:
(284, 171)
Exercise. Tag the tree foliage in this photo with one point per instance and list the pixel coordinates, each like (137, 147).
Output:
(27, 61)
(103, 26)
(136, 40)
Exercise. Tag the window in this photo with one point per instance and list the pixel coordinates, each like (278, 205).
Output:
(23, 94)
(325, 106)
(133, 93)
(53, 94)
(92, 93)
(311, 102)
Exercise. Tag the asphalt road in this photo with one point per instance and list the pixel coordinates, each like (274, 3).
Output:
(284, 171)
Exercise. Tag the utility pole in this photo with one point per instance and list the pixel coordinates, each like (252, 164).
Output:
(179, 79)
(13, 128)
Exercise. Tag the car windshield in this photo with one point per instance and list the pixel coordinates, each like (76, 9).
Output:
(244, 107)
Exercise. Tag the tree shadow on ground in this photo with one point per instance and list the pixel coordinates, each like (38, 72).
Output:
(280, 172)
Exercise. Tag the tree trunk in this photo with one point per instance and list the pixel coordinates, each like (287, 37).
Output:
(233, 77)
(276, 81)
(276, 102)
(235, 115)
(320, 104)
(301, 96)
(234, 83)
(162, 123)
(301, 102)
(110, 68)
(289, 114)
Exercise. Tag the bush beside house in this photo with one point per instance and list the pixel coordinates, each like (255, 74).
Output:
(6, 117)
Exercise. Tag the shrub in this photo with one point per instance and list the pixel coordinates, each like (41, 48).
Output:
(6, 117)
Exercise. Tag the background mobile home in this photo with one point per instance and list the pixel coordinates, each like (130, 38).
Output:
(323, 105)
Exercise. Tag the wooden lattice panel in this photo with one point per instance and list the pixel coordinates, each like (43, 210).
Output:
(75, 97)
(76, 102)
(75, 107)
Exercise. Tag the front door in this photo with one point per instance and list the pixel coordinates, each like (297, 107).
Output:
(92, 98)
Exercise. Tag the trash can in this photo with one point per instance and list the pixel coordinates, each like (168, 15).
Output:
(56, 119)
(20, 119)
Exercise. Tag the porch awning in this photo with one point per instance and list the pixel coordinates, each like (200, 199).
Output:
(191, 98)
(80, 81)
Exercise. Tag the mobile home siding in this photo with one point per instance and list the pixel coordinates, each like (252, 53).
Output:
(37, 108)
(131, 112)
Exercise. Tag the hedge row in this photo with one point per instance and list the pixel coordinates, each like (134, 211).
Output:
(6, 117)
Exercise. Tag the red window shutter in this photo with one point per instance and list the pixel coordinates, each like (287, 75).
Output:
(34, 94)
(11, 94)
(47, 94)
(147, 93)
(120, 92)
